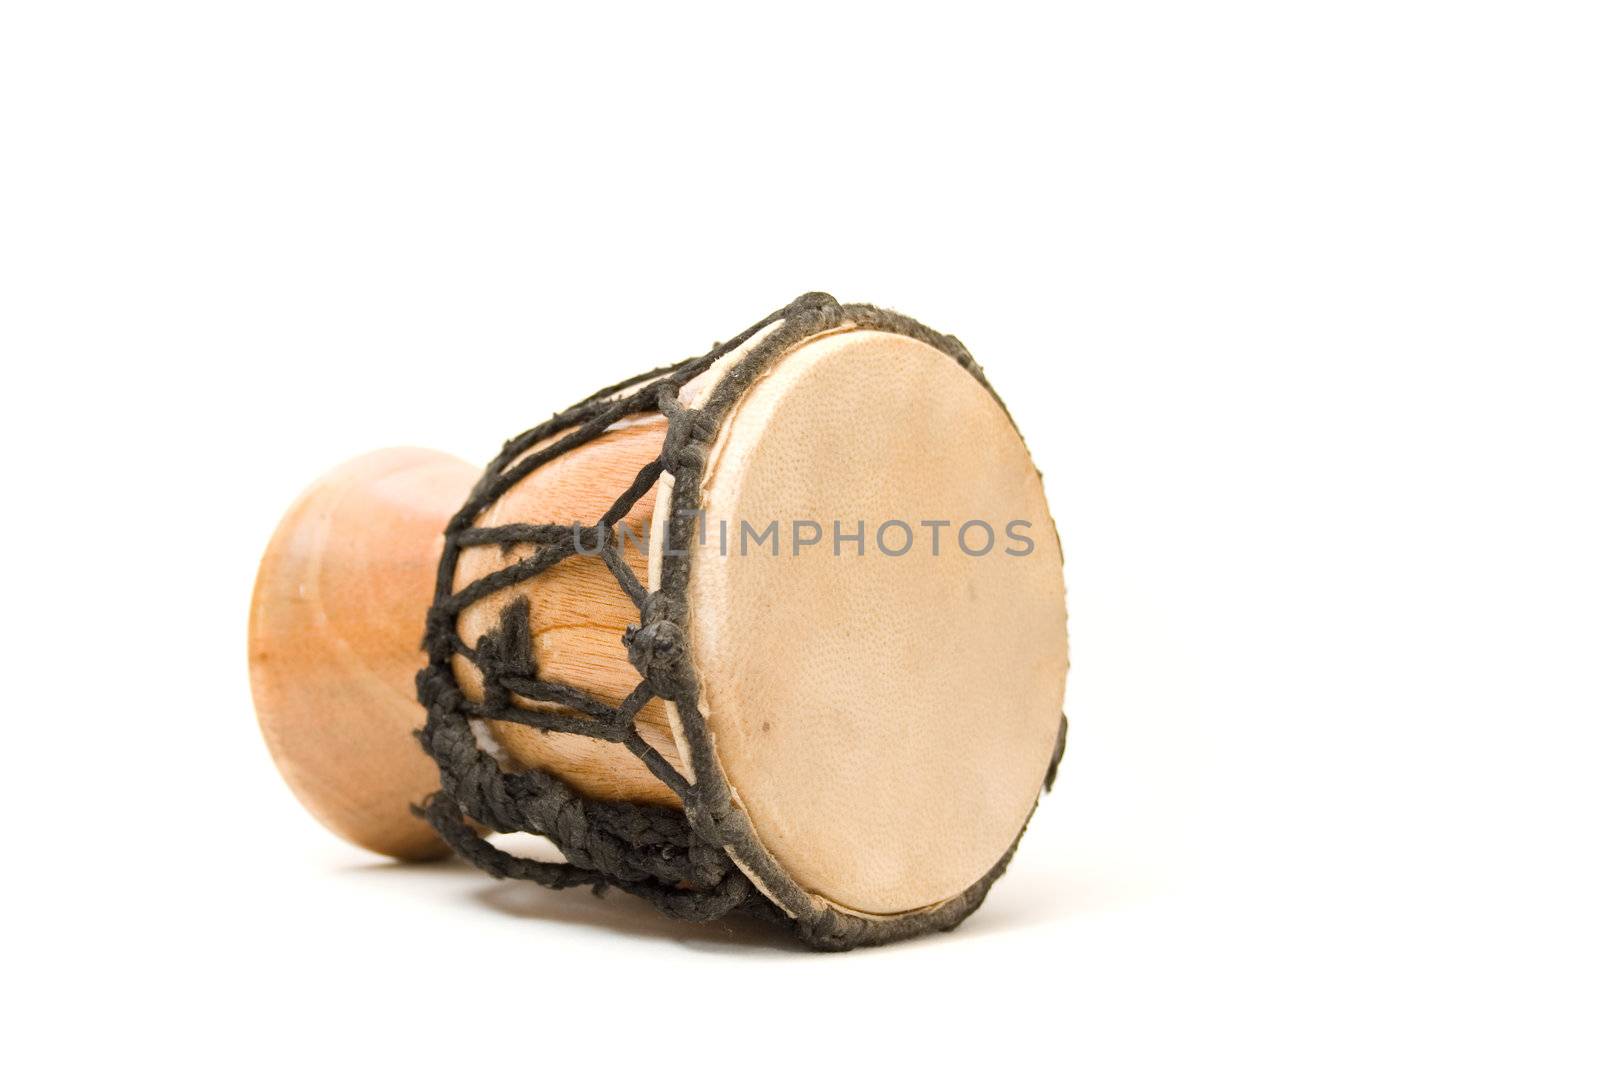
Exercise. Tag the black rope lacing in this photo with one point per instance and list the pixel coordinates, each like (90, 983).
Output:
(680, 861)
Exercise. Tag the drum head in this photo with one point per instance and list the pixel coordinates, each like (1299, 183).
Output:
(874, 609)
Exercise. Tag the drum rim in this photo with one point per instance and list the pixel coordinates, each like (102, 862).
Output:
(659, 648)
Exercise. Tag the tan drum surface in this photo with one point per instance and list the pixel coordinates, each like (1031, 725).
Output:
(885, 721)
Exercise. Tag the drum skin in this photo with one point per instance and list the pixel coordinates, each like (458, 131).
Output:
(885, 710)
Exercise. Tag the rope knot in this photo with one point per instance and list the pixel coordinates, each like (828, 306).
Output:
(688, 432)
(656, 650)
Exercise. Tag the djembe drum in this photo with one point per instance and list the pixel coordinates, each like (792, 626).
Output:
(779, 629)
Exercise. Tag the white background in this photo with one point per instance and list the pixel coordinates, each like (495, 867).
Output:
(1296, 305)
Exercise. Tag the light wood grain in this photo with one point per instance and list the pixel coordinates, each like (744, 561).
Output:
(335, 643)
(579, 612)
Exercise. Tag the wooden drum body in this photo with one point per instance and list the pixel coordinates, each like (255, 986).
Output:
(779, 629)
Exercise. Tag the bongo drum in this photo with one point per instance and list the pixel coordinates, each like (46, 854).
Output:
(779, 629)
